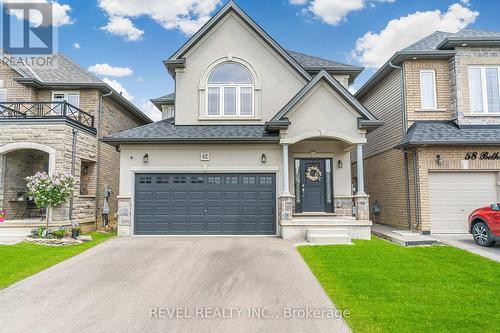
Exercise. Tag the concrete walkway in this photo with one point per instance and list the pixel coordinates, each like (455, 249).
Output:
(173, 285)
(465, 242)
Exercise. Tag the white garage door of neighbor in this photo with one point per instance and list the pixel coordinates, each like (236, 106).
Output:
(453, 196)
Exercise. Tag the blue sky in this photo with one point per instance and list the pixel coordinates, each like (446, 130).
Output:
(137, 35)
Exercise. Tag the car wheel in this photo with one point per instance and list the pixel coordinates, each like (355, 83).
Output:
(482, 234)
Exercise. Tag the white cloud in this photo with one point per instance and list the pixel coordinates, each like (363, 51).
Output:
(60, 12)
(107, 70)
(186, 15)
(77, 46)
(333, 11)
(124, 27)
(119, 88)
(373, 49)
(151, 110)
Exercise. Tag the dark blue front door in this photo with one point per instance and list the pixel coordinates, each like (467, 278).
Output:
(313, 185)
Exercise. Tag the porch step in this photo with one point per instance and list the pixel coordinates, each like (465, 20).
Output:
(332, 236)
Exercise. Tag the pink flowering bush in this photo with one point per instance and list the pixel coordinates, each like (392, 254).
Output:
(50, 191)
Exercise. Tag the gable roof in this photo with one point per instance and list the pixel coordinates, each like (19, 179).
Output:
(438, 45)
(313, 65)
(67, 75)
(367, 120)
(448, 133)
(176, 60)
(165, 131)
(163, 100)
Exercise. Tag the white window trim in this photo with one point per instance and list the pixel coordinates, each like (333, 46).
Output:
(484, 90)
(66, 93)
(434, 107)
(221, 88)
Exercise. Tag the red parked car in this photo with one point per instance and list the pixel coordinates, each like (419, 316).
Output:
(484, 225)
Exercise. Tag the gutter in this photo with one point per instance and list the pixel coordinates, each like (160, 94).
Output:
(98, 167)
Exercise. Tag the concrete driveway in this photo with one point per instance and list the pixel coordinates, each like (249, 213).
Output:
(465, 242)
(173, 285)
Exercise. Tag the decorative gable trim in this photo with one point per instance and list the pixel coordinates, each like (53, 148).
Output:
(177, 61)
(367, 120)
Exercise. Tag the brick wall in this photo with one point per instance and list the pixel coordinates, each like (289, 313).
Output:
(414, 110)
(15, 91)
(460, 78)
(453, 160)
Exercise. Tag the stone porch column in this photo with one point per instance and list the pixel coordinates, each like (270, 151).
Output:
(361, 199)
(286, 201)
(124, 216)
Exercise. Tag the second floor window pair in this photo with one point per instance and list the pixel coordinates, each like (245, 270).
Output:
(484, 89)
(230, 91)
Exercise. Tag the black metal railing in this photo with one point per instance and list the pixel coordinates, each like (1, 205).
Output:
(45, 110)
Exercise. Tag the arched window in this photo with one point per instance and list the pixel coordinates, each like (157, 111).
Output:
(230, 91)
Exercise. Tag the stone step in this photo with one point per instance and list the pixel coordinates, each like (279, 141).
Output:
(332, 236)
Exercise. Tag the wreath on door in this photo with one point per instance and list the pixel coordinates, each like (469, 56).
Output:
(313, 173)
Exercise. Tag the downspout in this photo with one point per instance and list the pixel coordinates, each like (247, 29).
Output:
(73, 159)
(405, 152)
(415, 188)
(98, 166)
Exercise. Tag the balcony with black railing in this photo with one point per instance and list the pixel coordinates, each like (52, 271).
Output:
(46, 111)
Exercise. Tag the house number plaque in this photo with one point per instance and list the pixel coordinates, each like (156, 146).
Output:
(482, 156)
(205, 156)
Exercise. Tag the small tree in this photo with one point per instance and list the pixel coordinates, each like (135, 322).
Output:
(50, 191)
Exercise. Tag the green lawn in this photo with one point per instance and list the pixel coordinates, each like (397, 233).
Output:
(389, 288)
(25, 259)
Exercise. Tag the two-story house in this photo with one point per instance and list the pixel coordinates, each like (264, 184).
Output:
(256, 140)
(437, 157)
(51, 120)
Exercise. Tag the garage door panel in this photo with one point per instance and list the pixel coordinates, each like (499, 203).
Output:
(453, 196)
(205, 204)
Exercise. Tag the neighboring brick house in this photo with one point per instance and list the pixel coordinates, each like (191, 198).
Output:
(49, 120)
(436, 158)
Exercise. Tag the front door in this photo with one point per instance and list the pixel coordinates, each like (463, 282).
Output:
(312, 173)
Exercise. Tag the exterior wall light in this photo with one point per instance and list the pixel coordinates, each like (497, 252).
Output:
(439, 159)
(340, 165)
(263, 158)
(145, 158)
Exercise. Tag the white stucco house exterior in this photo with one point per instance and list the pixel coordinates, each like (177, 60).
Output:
(256, 140)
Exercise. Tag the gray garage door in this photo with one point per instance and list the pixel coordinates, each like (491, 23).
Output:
(205, 204)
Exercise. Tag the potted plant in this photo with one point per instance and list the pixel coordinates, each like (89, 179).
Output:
(3, 214)
(50, 191)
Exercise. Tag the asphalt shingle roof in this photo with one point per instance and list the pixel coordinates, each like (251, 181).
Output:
(431, 42)
(308, 61)
(166, 131)
(447, 133)
(165, 98)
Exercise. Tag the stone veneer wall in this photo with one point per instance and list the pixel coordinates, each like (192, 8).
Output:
(465, 57)
(58, 137)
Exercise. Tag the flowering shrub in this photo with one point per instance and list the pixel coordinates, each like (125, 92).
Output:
(50, 191)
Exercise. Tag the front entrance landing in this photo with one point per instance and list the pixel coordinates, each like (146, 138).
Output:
(402, 237)
(119, 285)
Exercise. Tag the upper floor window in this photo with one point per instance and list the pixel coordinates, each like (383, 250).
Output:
(230, 91)
(72, 98)
(484, 89)
(428, 89)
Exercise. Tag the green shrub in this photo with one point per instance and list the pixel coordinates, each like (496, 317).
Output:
(59, 233)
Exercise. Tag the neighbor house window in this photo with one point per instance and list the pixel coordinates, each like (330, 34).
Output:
(230, 91)
(3, 95)
(72, 98)
(484, 89)
(428, 89)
